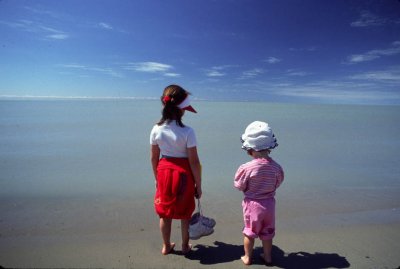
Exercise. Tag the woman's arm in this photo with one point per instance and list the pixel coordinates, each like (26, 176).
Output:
(154, 158)
(196, 169)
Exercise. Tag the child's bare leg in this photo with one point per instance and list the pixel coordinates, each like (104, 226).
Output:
(165, 227)
(186, 247)
(267, 247)
(248, 243)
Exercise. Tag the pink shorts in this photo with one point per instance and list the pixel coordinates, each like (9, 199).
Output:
(259, 218)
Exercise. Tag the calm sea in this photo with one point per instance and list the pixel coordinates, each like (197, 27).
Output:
(330, 153)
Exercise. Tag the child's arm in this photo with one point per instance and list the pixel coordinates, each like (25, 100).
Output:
(240, 181)
(154, 158)
(196, 169)
(279, 177)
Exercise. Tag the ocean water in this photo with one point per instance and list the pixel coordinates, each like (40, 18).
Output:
(336, 157)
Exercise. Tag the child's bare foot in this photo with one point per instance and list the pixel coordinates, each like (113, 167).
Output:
(167, 248)
(268, 262)
(186, 249)
(246, 260)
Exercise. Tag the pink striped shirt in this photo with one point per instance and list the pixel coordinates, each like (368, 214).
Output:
(259, 178)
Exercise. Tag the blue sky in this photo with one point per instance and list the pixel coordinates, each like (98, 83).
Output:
(309, 51)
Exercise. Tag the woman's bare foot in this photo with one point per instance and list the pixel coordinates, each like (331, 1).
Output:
(246, 260)
(167, 248)
(186, 249)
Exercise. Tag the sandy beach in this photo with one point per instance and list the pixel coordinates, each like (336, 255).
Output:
(107, 232)
(76, 186)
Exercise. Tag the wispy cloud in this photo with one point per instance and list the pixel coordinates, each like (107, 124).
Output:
(172, 75)
(58, 17)
(35, 26)
(248, 74)
(152, 67)
(311, 48)
(20, 24)
(272, 60)
(359, 58)
(218, 71)
(383, 76)
(42, 30)
(45, 12)
(367, 19)
(58, 36)
(104, 25)
(337, 92)
(374, 54)
(295, 73)
(106, 71)
(214, 73)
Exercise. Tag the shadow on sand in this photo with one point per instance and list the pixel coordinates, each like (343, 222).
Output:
(222, 253)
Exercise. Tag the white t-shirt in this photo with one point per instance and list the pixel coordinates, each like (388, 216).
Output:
(172, 139)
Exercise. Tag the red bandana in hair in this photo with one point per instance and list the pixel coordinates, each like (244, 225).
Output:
(167, 98)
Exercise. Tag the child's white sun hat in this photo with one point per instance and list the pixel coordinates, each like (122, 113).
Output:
(258, 136)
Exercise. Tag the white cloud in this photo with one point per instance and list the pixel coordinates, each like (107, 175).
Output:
(339, 95)
(19, 24)
(298, 73)
(359, 58)
(149, 67)
(382, 76)
(251, 73)
(273, 60)
(105, 26)
(396, 43)
(58, 36)
(45, 12)
(337, 91)
(311, 48)
(49, 29)
(72, 66)
(223, 67)
(217, 71)
(152, 67)
(367, 19)
(107, 71)
(374, 54)
(37, 28)
(173, 75)
(214, 73)
(386, 52)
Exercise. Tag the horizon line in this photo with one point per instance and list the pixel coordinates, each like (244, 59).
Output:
(105, 98)
(76, 97)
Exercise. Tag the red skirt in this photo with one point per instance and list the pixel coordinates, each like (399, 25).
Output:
(174, 198)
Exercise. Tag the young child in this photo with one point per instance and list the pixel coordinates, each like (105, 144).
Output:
(176, 166)
(258, 179)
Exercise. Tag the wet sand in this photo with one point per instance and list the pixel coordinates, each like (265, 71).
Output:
(76, 186)
(122, 232)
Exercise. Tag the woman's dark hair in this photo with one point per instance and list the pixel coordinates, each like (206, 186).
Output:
(172, 96)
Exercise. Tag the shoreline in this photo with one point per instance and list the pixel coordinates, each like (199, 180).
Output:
(123, 233)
